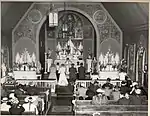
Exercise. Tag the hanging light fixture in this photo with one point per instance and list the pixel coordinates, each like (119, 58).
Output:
(65, 26)
(53, 17)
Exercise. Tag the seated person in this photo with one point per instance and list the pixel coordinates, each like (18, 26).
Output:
(124, 100)
(99, 98)
(29, 106)
(19, 90)
(124, 89)
(92, 90)
(136, 99)
(38, 102)
(13, 98)
(107, 84)
(5, 106)
(108, 88)
(31, 89)
(16, 109)
(116, 93)
(81, 91)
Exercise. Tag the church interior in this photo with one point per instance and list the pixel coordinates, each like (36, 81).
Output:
(74, 58)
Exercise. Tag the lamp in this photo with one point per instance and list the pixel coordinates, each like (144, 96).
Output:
(53, 17)
(65, 26)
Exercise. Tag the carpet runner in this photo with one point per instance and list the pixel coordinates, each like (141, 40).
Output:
(62, 103)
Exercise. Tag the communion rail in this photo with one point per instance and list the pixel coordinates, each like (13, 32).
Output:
(39, 83)
(101, 82)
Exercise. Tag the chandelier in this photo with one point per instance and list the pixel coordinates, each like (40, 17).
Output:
(53, 17)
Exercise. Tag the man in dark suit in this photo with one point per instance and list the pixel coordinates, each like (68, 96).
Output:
(72, 73)
(81, 71)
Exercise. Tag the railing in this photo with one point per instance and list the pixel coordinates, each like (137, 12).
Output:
(40, 83)
(101, 82)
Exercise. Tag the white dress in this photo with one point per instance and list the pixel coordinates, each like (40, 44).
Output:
(52, 74)
(62, 78)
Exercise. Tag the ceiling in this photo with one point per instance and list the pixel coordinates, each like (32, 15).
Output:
(126, 15)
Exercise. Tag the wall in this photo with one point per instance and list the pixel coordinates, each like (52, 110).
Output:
(30, 24)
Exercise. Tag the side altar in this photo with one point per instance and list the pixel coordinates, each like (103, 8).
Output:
(26, 66)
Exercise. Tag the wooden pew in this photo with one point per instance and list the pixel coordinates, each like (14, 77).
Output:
(84, 107)
(39, 83)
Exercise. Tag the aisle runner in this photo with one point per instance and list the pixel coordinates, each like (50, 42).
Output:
(61, 109)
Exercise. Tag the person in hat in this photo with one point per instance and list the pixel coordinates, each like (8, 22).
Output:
(99, 98)
(72, 73)
(124, 100)
(116, 93)
(81, 72)
(4, 105)
(13, 98)
(124, 89)
(16, 109)
(52, 74)
(29, 106)
(108, 88)
(81, 91)
(137, 99)
(91, 91)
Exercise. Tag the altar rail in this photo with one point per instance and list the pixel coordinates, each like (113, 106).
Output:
(40, 83)
(101, 82)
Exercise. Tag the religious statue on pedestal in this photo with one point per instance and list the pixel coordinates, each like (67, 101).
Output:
(49, 60)
(89, 64)
(4, 69)
(94, 66)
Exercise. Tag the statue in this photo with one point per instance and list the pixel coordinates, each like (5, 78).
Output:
(4, 69)
(109, 56)
(72, 47)
(38, 67)
(18, 58)
(101, 59)
(49, 60)
(117, 59)
(89, 64)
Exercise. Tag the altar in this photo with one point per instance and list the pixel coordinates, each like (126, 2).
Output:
(109, 74)
(25, 75)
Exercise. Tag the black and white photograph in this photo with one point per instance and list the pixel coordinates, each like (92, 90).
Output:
(74, 58)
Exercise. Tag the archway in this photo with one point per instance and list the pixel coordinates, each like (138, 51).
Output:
(70, 9)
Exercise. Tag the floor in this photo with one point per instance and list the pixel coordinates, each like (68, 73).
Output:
(62, 102)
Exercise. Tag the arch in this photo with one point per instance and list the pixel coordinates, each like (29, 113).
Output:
(71, 9)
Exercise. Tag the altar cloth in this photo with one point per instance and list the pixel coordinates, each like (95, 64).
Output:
(24, 75)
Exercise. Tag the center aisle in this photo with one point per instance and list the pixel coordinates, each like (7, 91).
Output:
(62, 102)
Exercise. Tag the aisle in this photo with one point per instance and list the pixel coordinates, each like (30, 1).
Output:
(62, 103)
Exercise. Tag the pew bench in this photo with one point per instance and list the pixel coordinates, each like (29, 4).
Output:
(85, 108)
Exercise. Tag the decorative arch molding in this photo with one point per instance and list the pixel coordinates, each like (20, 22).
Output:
(26, 28)
(71, 9)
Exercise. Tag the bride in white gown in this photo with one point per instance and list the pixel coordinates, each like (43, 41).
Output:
(62, 78)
